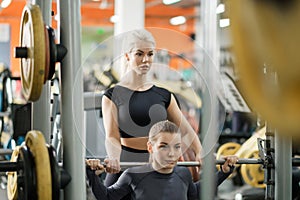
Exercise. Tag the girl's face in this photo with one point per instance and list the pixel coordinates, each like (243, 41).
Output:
(165, 151)
(141, 57)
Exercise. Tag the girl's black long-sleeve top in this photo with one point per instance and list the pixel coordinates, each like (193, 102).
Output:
(144, 183)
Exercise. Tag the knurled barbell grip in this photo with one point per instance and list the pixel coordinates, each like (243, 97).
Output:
(6, 166)
(221, 162)
(243, 161)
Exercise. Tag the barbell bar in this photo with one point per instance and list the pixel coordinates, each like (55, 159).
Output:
(13, 166)
(248, 161)
(193, 163)
(6, 166)
(187, 163)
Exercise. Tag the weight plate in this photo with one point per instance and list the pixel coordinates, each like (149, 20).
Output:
(53, 52)
(253, 174)
(26, 184)
(266, 40)
(47, 55)
(55, 173)
(32, 36)
(229, 148)
(35, 141)
(12, 186)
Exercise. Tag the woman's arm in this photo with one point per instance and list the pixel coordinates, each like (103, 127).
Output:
(190, 138)
(112, 139)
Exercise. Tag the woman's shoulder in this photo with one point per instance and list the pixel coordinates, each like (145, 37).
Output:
(114, 89)
(161, 89)
(108, 92)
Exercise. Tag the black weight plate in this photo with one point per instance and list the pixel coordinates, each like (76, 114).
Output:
(53, 52)
(26, 176)
(55, 173)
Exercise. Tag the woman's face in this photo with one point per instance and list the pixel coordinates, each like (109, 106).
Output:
(166, 151)
(141, 57)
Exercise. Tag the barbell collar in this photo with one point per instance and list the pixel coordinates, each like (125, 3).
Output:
(21, 52)
(65, 178)
(61, 52)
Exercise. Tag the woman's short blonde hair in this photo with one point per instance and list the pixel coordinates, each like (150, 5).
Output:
(134, 36)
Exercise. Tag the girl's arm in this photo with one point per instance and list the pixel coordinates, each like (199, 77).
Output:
(116, 191)
(112, 135)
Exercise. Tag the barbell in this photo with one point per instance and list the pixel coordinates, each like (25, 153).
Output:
(33, 172)
(193, 163)
(187, 163)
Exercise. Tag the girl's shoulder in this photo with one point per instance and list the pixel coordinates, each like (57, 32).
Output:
(183, 172)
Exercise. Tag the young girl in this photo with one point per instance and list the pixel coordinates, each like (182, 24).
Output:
(161, 178)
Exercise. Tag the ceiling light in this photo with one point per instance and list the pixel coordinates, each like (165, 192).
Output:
(177, 20)
(103, 4)
(5, 3)
(220, 8)
(224, 23)
(114, 19)
(56, 17)
(169, 2)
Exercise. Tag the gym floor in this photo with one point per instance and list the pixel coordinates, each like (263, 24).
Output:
(228, 191)
(3, 193)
